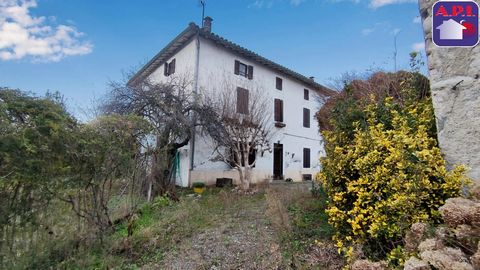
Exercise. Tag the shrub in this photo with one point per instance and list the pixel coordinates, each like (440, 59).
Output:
(388, 175)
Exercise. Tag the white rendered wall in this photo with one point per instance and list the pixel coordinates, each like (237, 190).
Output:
(217, 67)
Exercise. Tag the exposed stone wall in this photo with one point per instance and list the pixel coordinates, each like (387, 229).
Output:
(455, 83)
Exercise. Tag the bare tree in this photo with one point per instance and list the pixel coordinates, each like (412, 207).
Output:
(169, 108)
(240, 125)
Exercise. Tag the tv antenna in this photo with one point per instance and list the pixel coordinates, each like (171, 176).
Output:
(203, 3)
(395, 34)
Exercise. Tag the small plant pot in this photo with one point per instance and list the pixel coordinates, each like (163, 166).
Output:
(198, 187)
(199, 190)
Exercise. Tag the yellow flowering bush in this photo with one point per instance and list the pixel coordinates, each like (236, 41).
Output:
(387, 176)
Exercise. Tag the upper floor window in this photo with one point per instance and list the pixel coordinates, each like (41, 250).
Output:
(306, 94)
(279, 83)
(278, 110)
(243, 70)
(169, 68)
(242, 100)
(306, 117)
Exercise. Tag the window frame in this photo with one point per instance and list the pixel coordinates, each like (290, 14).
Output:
(242, 106)
(244, 74)
(306, 94)
(169, 67)
(278, 83)
(307, 157)
(306, 118)
(278, 110)
(243, 69)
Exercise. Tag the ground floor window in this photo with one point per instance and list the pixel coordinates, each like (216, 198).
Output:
(306, 157)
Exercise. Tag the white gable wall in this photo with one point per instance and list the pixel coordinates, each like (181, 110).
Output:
(184, 69)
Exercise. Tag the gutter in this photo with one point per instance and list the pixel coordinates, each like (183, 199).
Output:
(195, 91)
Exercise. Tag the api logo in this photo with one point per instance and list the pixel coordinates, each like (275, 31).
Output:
(455, 23)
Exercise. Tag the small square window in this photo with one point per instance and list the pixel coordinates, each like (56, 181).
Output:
(242, 69)
(307, 177)
(279, 83)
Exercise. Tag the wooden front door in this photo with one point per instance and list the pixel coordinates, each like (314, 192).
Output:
(277, 161)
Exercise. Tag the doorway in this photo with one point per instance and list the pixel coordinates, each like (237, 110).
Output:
(277, 161)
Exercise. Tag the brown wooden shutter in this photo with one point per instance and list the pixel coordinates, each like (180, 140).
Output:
(306, 157)
(278, 83)
(306, 117)
(250, 72)
(237, 67)
(305, 94)
(278, 110)
(165, 69)
(171, 67)
(242, 100)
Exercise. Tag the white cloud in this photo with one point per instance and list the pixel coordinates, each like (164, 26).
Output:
(418, 46)
(367, 31)
(382, 28)
(381, 3)
(25, 36)
(417, 19)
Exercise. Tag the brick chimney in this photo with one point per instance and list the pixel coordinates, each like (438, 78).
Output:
(207, 24)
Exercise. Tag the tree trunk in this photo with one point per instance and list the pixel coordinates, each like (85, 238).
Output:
(247, 177)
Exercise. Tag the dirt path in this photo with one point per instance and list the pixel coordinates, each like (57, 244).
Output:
(241, 238)
(244, 233)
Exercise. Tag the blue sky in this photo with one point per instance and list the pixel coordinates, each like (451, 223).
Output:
(77, 47)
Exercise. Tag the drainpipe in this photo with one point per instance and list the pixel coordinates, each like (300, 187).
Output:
(195, 91)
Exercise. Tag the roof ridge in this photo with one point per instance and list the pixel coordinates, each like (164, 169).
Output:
(194, 29)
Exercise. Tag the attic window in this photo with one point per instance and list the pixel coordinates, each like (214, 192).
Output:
(169, 68)
(243, 70)
(279, 83)
(305, 94)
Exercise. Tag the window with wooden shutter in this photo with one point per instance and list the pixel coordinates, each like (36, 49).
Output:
(237, 67)
(306, 117)
(306, 94)
(243, 70)
(250, 72)
(306, 157)
(278, 83)
(171, 67)
(242, 100)
(278, 110)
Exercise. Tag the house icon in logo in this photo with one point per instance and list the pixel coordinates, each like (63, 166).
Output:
(451, 29)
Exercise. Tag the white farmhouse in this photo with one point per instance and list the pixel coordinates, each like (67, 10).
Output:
(210, 60)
